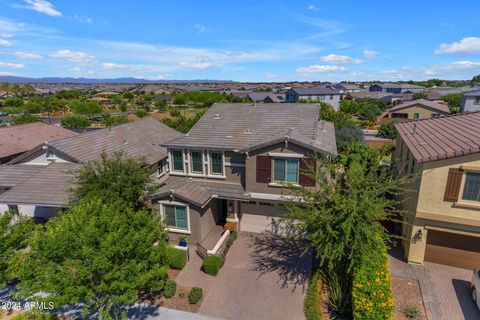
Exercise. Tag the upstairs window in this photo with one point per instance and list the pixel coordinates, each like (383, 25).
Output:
(197, 161)
(177, 157)
(477, 100)
(216, 163)
(285, 170)
(471, 190)
(416, 116)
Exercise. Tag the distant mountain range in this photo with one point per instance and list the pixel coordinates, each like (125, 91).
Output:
(91, 80)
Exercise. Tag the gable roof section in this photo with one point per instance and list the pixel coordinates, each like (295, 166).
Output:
(442, 138)
(48, 187)
(21, 138)
(238, 126)
(12, 175)
(432, 105)
(137, 139)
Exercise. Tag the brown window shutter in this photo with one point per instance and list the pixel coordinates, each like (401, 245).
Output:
(264, 169)
(307, 172)
(454, 181)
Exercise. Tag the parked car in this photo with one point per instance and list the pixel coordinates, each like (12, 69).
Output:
(476, 286)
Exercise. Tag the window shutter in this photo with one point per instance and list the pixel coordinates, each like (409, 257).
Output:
(454, 181)
(307, 172)
(264, 169)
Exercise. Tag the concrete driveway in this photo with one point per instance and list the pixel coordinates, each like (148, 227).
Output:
(264, 277)
(445, 290)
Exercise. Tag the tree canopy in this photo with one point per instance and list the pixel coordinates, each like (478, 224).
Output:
(453, 100)
(85, 107)
(75, 121)
(180, 122)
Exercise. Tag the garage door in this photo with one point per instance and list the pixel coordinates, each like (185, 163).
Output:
(260, 218)
(452, 249)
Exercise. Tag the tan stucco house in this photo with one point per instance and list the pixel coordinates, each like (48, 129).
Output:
(442, 205)
(235, 164)
(415, 110)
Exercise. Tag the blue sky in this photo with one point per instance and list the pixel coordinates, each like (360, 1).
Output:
(240, 40)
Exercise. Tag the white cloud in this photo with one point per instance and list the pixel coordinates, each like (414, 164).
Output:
(9, 65)
(74, 56)
(370, 54)
(197, 65)
(6, 35)
(312, 7)
(113, 66)
(158, 77)
(83, 71)
(466, 45)
(86, 20)
(319, 69)
(335, 58)
(27, 55)
(200, 28)
(4, 42)
(6, 73)
(41, 6)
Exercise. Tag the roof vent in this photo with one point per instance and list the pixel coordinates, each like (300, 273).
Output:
(125, 141)
(248, 131)
(216, 116)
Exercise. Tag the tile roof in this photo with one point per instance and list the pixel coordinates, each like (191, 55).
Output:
(475, 93)
(440, 107)
(13, 175)
(21, 138)
(137, 139)
(199, 192)
(315, 90)
(368, 94)
(49, 187)
(442, 138)
(239, 126)
(399, 85)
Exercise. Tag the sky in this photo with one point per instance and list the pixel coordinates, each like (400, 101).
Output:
(241, 40)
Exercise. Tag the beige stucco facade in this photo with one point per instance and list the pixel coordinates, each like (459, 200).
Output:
(422, 111)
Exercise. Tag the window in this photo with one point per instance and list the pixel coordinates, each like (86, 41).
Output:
(177, 156)
(216, 163)
(197, 161)
(477, 100)
(321, 97)
(161, 170)
(331, 97)
(471, 190)
(435, 115)
(416, 116)
(285, 170)
(176, 216)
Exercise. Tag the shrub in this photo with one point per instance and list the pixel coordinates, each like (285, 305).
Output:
(34, 315)
(222, 260)
(211, 265)
(24, 118)
(231, 238)
(176, 258)
(195, 295)
(372, 291)
(169, 289)
(313, 300)
(141, 113)
(75, 121)
(387, 130)
(412, 311)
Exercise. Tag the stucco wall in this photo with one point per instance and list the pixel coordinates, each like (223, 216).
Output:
(468, 105)
(423, 113)
(40, 158)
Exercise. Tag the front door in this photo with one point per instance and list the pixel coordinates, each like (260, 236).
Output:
(223, 210)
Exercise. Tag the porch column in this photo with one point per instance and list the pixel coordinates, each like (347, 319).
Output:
(235, 209)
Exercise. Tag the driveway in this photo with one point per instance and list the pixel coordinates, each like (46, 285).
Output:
(445, 290)
(264, 277)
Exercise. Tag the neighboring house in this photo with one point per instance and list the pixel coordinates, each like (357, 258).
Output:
(19, 139)
(397, 98)
(265, 97)
(317, 94)
(415, 110)
(367, 94)
(44, 190)
(235, 164)
(442, 204)
(344, 88)
(396, 88)
(470, 101)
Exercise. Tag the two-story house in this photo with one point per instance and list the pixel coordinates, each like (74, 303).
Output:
(235, 165)
(442, 203)
(470, 101)
(415, 110)
(396, 87)
(317, 94)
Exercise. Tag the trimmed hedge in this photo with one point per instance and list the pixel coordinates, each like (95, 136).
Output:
(313, 300)
(372, 297)
(195, 295)
(231, 238)
(176, 258)
(169, 289)
(211, 265)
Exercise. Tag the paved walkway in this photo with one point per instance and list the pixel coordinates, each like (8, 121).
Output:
(445, 290)
(264, 277)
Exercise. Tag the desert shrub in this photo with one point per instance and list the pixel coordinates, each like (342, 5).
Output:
(211, 265)
(313, 300)
(412, 311)
(141, 113)
(372, 290)
(24, 118)
(195, 295)
(33, 315)
(169, 289)
(176, 258)
(75, 121)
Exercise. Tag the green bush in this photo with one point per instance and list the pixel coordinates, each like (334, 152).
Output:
(312, 304)
(211, 265)
(387, 129)
(141, 113)
(231, 238)
(75, 121)
(24, 118)
(169, 289)
(372, 290)
(33, 315)
(222, 260)
(195, 295)
(176, 258)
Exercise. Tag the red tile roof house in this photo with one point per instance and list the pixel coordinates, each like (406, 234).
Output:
(37, 183)
(233, 166)
(18, 139)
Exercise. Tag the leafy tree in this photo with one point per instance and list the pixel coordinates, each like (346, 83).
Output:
(33, 106)
(141, 113)
(75, 121)
(161, 105)
(420, 95)
(24, 118)
(99, 253)
(180, 122)
(476, 79)
(347, 130)
(14, 232)
(179, 100)
(110, 121)
(453, 100)
(85, 107)
(387, 130)
(13, 102)
(68, 94)
(5, 87)
(115, 177)
(128, 95)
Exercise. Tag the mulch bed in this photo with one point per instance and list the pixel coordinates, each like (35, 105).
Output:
(179, 301)
(407, 295)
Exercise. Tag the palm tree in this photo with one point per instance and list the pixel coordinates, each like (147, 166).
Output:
(5, 87)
